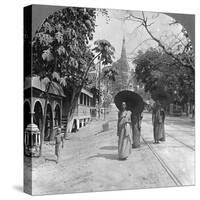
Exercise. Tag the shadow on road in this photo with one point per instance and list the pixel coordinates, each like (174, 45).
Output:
(51, 160)
(109, 148)
(180, 121)
(106, 156)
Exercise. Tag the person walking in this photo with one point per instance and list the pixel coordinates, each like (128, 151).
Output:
(157, 122)
(162, 113)
(59, 139)
(136, 130)
(124, 132)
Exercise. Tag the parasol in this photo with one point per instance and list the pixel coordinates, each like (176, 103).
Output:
(133, 101)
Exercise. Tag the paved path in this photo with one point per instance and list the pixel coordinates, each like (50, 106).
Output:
(89, 160)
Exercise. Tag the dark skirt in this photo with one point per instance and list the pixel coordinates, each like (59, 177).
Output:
(163, 137)
(136, 136)
(157, 131)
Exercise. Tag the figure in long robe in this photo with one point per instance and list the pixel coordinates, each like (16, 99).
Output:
(157, 122)
(162, 113)
(124, 133)
(136, 130)
(59, 139)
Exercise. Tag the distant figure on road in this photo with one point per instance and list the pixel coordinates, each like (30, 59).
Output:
(136, 127)
(59, 138)
(157, 122)
(162, 113)
(124, 132)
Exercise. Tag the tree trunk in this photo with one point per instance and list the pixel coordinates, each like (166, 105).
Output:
(73, 104)
(75, 95)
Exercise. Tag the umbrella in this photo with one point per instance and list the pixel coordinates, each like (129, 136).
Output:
(133, 101)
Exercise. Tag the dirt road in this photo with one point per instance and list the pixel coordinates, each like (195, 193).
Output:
(89, 160)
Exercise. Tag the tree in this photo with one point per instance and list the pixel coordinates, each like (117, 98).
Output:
(108, 99)
(60, 48)
(104, 52)
(61, 52)
(181, 51)
(109, 73)
(159, 74)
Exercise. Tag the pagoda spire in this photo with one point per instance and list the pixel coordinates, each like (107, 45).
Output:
(123, 59)
(122, 67)
(123, 52)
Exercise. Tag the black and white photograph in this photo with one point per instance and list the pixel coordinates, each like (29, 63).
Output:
(109, 99)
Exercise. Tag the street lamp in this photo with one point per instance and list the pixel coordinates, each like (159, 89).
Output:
(175, 93)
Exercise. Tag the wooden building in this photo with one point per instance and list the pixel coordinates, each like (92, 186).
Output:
(34, 103)
(57, 107)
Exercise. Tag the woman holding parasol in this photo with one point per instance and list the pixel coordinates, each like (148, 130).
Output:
(130, 106)
(124, 132)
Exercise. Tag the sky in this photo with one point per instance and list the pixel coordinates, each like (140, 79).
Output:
(136, 38)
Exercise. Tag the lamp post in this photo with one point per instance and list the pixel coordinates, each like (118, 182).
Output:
(32, 139)
(175, 93)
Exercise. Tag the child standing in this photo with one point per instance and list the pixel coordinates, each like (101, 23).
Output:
(59, 138)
